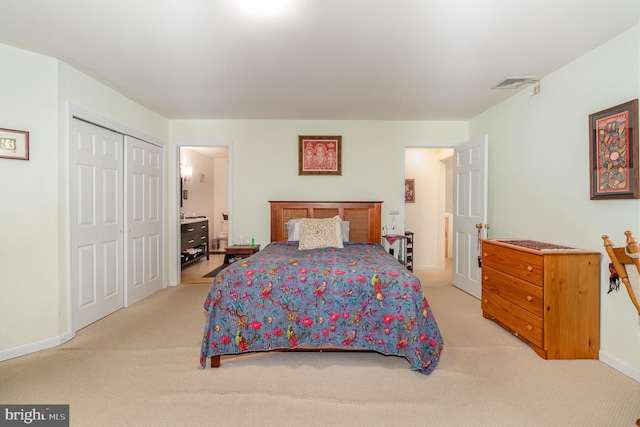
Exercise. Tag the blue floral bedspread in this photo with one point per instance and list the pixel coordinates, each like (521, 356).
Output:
(358, 297)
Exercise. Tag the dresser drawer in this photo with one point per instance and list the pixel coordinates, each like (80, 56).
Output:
(520, 292)
(514, 318)
(201, 227)
(193, 240)
(194, 228)
(523, 265)
(187, 230)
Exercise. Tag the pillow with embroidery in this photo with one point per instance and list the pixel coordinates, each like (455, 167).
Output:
(320, 233)
(293, 230)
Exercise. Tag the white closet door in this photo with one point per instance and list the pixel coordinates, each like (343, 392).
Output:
(97, 223)
(144, 214)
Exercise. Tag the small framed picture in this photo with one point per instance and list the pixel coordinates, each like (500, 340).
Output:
(14, 144)
(409, 190)
(613, 155)
(319, 155)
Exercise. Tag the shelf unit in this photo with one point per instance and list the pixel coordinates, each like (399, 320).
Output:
(409, 252)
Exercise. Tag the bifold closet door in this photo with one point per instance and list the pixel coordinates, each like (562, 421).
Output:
(144, 237)
(117, 216)
(97, 222)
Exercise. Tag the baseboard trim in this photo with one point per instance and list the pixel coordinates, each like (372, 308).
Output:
(23, 350)
(619, 365)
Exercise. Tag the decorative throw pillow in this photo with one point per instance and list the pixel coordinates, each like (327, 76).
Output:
(320, 233)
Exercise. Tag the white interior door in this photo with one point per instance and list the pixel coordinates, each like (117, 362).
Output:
(97, 222)
(470, 208)
(144, 237)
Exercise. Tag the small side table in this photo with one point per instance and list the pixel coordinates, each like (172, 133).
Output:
(235, 252)
(402, 250)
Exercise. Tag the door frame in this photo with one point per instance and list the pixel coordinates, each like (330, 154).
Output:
(175, 202)
(77, 112)
(428, 145)
(435, 144)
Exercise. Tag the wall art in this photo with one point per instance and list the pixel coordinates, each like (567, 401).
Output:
(14, 144)
(613, 144)
(319, 155)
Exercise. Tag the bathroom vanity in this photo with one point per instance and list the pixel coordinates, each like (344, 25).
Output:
(194, 237)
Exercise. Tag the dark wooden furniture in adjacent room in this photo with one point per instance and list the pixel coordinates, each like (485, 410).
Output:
(236, 252)
(409, 256)
(194, 237)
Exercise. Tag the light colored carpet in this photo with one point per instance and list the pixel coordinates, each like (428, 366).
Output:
(139, 367)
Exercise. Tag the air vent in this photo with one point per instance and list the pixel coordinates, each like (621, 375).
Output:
(515, 82)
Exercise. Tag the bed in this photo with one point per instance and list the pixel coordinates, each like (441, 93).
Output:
(352, 296)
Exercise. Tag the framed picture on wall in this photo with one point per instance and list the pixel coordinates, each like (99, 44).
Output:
(613, 155)
(409, 191)
(14, 144)
(319, 155)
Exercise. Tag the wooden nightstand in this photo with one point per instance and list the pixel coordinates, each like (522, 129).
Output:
(236, 252)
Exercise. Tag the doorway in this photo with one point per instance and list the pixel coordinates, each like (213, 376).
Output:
(203, 172)
(429, 213)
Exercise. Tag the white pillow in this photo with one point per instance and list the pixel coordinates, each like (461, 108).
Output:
(344, 230)
(320, 233)
(293, 229)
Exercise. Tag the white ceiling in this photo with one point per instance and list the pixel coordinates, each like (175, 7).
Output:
(318, 59)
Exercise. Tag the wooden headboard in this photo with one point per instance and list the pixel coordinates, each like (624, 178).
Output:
(365, 218)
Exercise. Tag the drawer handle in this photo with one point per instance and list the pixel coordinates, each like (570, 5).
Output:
(529, 268)
(529, 298)
(529, 328)
(203, 227)
(486, 278)
(486, 301)
(203, 238)
(191, 241)
(190, 229)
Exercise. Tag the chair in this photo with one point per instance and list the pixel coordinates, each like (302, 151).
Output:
(620, 256)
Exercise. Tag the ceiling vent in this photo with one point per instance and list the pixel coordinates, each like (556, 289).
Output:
(515, 82)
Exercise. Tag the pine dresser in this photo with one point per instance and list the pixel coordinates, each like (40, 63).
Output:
(547, 295)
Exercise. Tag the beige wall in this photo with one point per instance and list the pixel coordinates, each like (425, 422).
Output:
(29, 259)
(539, 174)
(264, 162)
